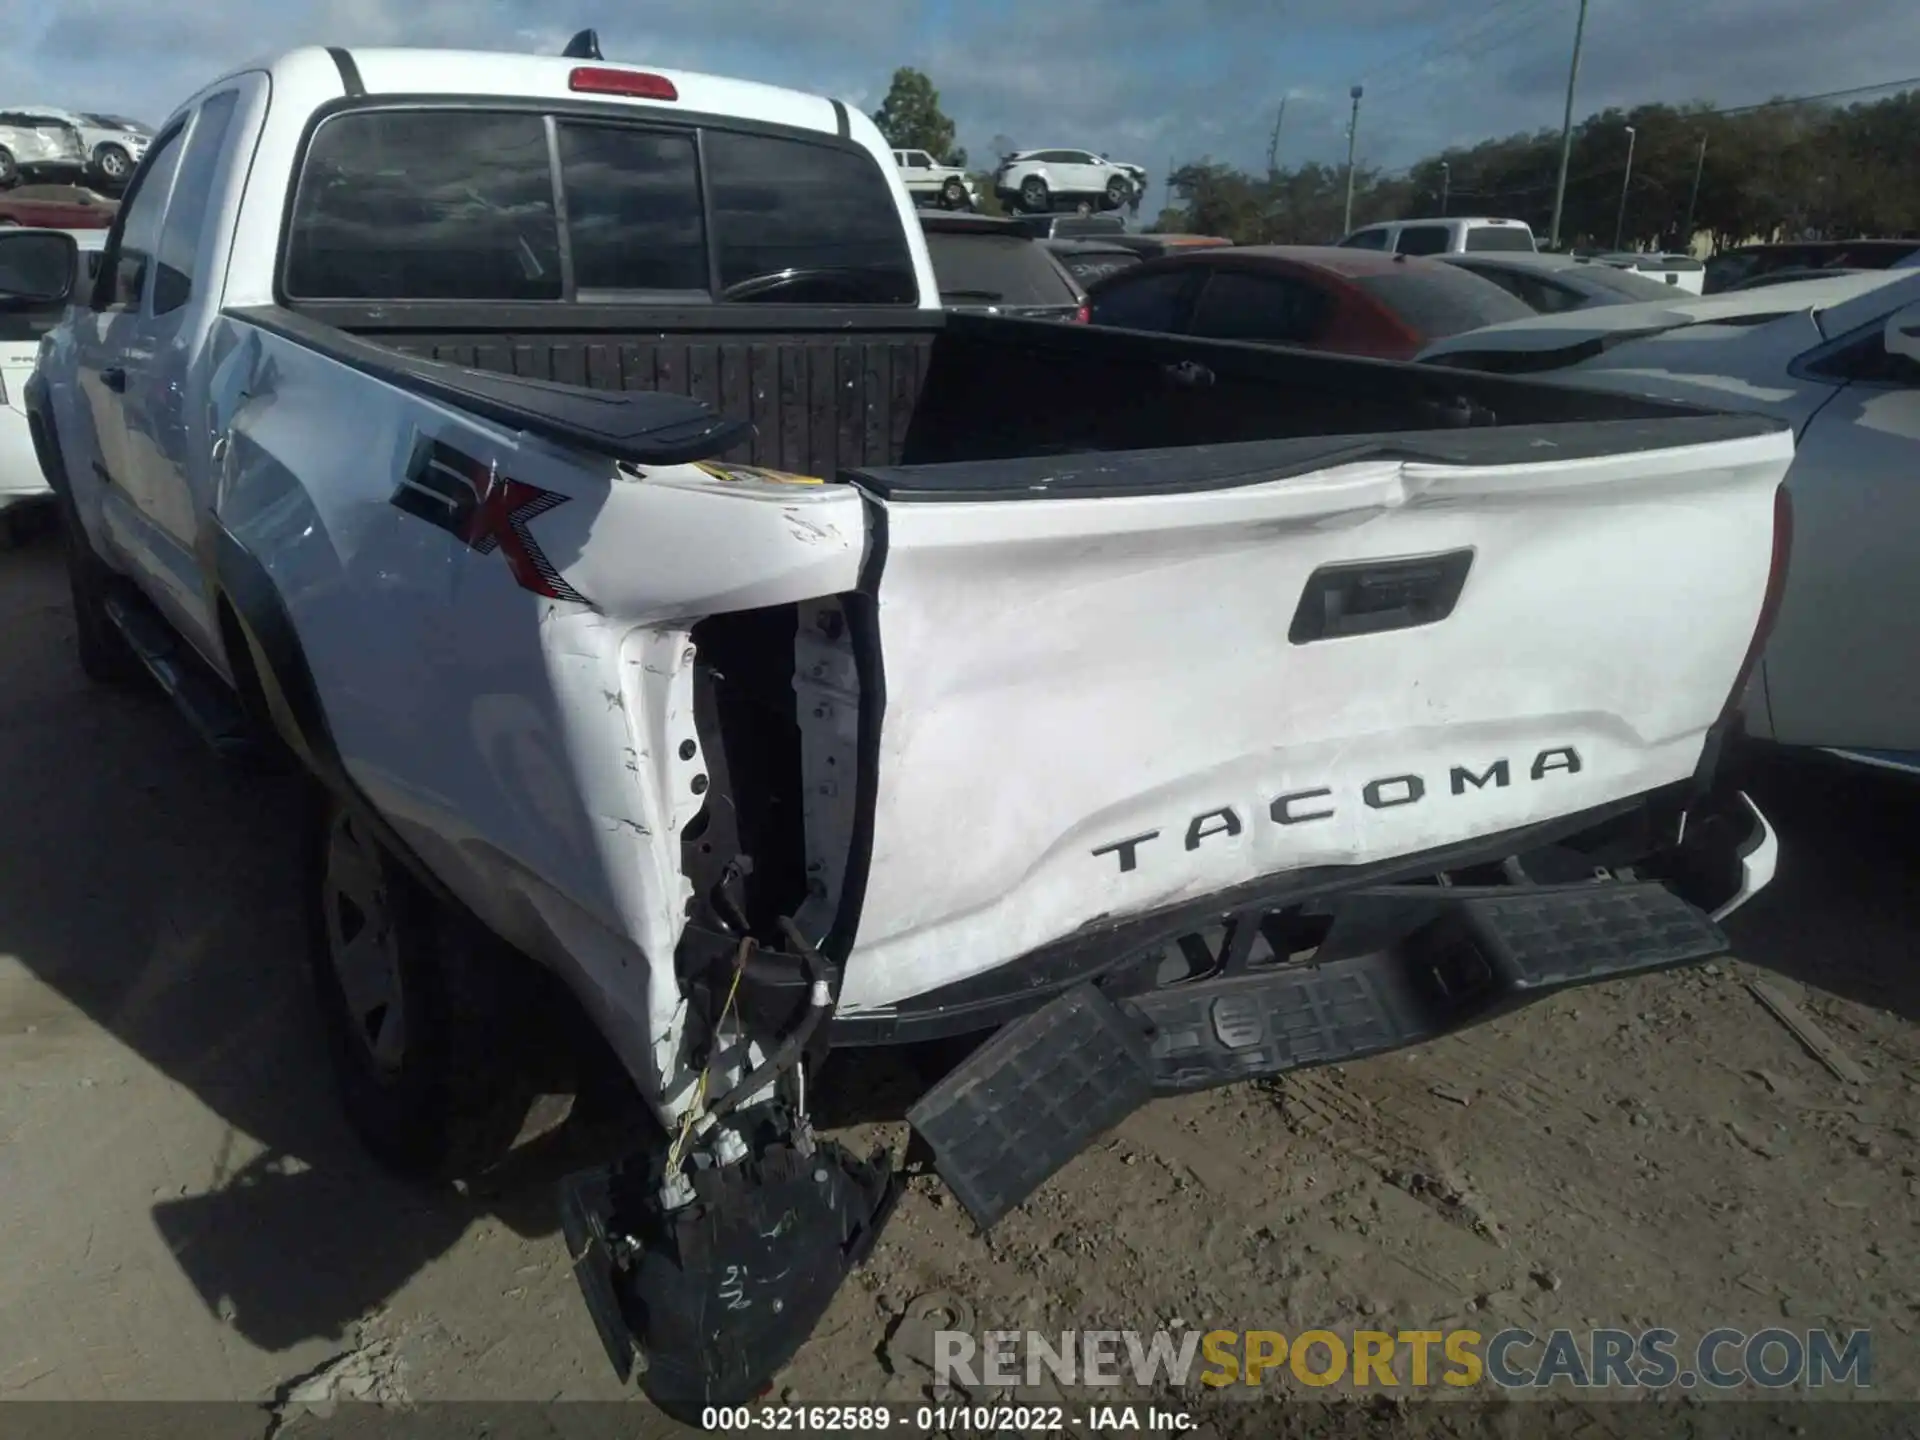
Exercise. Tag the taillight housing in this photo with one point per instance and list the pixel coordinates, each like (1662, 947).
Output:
(631, 84)
(1769, 600)
(1083, 316)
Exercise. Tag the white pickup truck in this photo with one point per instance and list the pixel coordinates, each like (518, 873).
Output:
(569, 466)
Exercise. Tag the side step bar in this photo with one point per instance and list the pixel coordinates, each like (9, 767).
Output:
(208, 704)
(1043, 1088)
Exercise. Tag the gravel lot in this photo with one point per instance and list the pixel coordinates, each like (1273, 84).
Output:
(184, 1216)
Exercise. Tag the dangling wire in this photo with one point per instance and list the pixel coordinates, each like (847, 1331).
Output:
(676, 1152)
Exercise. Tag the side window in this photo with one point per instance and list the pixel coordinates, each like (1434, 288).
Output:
(1374, 239)
(425, 205)
(1157, 301)
(633, 208)
(1423, 240)
(187, 210)
(1240, 305)
(821, 210)
(125, 271)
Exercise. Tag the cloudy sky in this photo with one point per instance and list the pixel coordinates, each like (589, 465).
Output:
(1140, 81)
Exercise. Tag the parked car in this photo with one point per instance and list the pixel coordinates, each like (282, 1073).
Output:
(931, 183)
(57, 207)
(37, 147)
(1839, 360)
(985, 266)
(926, 670)
(1548, 284)
(33, 274)
(113, 144)
(1456, 235)
(1768, 278)
(1153, 244)
(1743, 262)
(1680, 272)
(1042, 180)
(1320, 296)
(1091, 261)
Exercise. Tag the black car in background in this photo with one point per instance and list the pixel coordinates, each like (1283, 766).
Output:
(1743, 263)
(1091, 261)
(990, 266)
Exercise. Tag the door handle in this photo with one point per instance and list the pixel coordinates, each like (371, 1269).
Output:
(1188, 375)
(115, 379)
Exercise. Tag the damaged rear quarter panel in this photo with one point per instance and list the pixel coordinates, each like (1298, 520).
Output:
(527, 748)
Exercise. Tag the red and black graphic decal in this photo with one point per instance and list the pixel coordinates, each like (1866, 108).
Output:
(485, 511)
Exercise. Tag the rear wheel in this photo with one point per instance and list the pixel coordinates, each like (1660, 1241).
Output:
(9, 168)
(1034, 195)
(426, 1014)
(1118, 191)
(113, 163)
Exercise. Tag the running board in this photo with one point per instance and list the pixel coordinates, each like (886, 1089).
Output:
(1037, 1093)
(207, 702)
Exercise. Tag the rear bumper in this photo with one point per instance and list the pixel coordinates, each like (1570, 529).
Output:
(1399, 964)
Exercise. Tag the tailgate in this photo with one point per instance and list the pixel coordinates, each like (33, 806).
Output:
(1161, 675)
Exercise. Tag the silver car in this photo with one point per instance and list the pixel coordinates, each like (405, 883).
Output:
(112, 144)
(39, 146)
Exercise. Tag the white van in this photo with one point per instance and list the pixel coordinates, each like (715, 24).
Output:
(1452, 236)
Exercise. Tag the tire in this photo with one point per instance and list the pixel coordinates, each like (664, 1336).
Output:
(9, 169)
(953, 196)
(1034, 195)
(1119, 191)
(105, 656)
(113, 163)
(426, 1014)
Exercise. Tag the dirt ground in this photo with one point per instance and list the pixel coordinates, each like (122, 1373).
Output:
(184, 1216)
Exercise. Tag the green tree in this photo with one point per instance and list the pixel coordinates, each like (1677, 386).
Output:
(911, 119)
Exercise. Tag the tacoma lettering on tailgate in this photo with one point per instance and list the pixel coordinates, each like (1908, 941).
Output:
(1389, 792)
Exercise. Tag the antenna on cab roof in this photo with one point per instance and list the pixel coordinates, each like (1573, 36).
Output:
(584, 46)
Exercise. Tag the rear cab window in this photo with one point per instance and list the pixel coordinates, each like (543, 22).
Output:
(1483, 238)
(997, 269)
(401, 204)
(1370, 239)
(1423, 240)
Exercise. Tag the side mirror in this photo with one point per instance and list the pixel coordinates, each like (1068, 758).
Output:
(37, 267)
(1903, 333)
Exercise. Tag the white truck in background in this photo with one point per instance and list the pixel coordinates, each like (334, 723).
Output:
(930, 183)
(672, 599)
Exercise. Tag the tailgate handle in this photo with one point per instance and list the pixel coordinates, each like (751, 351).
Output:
(1188, 375)
(1370, 596)
(114, 378)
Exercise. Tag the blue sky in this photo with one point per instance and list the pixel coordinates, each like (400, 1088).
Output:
(1144, 82)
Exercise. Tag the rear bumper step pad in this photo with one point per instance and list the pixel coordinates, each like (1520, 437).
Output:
(1044, 1087)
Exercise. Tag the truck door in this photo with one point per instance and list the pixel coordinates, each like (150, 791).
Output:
(167, 443)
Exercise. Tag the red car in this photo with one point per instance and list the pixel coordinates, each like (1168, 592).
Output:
(1355, 302)
(57, 207)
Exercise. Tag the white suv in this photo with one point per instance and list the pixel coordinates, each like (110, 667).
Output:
(38, 145)
(931, 183)
(1040, 180)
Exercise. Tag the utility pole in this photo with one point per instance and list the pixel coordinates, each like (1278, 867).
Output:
(1620, 224)
(1698, 166)
(1353, 134)
(1446, 185)
(1566, 130)
(1273, 145)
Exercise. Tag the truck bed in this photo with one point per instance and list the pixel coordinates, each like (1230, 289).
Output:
(830, 392)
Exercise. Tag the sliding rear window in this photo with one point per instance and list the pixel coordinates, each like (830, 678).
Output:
(401, 205)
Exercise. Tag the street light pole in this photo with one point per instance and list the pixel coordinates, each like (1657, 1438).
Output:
(1566, 130)
(1353, 134)
(1698, 166)
(1446, 185)
(1620, 224)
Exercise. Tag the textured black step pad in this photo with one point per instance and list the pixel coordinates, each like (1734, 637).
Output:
(1031, 1098)
(1542, 940)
